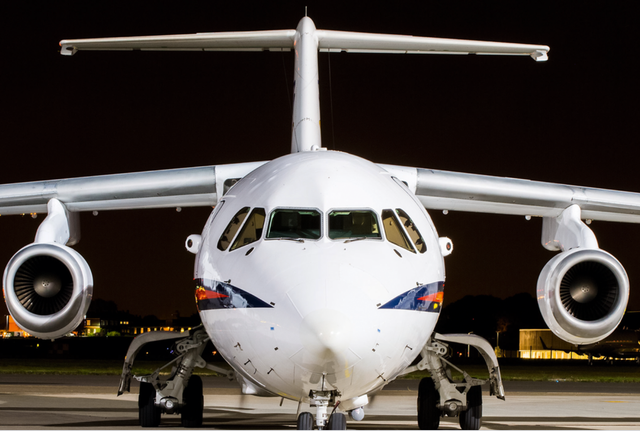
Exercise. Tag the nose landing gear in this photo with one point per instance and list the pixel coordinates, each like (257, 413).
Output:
(337, 421)
(322, 400)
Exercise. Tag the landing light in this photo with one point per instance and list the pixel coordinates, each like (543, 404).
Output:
(357, 414)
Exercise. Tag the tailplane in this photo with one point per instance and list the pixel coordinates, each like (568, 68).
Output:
(306, 41)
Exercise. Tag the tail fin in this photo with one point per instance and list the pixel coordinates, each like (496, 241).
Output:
(306, 40)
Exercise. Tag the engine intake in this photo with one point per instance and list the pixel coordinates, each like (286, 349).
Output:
(47, 288)
(582, 295)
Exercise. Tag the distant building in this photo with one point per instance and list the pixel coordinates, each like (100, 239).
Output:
(544, 344)
(124, 324)
(11, 329)
(130, 326)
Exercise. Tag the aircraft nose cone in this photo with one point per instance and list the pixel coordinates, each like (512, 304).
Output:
(325, 335)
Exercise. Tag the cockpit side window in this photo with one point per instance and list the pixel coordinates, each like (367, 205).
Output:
(353, 224)
(252, 229)
(294, 223)
(394, 232)
(232, 228)
(412, 230)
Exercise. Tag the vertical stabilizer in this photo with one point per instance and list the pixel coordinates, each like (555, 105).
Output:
(305, 134)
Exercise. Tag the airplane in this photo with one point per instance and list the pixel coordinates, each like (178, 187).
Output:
(319, 275)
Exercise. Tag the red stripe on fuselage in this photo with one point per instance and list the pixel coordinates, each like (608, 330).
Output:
(211, 295)
(434, 297)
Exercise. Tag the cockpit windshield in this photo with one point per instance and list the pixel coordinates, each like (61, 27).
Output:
(412, 230)
(294, 223)
(394, 232)
(353, 224)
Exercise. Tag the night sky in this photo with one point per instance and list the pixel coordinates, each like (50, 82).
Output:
(573, 120)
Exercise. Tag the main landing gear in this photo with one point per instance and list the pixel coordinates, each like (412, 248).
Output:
(440, 395)
(181, 392)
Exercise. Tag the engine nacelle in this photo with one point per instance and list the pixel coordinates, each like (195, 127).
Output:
(48, 289)
(582, 295)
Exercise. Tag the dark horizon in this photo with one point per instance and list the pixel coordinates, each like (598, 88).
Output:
(570, 120)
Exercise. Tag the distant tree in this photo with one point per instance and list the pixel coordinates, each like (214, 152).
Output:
(151, 320)
(486, 316)
(99, 333)
(523, 311)
(477, 314)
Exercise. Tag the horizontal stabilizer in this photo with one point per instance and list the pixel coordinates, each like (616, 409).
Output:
(277, 40)
(283, 40)
(389, 43)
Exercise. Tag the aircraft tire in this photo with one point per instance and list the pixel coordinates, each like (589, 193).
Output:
(428, 399)
(305, 421)
(191, 415)
(337, 421)
(148, 412)
(471, 419)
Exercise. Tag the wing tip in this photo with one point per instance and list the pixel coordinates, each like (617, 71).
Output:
(540, 54)
(67, 48)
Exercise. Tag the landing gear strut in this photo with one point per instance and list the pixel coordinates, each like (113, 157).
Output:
(181, 392)
(439, 395)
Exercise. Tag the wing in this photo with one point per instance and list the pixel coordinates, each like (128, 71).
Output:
(444, 190)
(200, 186)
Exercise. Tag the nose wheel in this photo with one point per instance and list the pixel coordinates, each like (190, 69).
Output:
(322, 401)
(337, 421)
(305, 421)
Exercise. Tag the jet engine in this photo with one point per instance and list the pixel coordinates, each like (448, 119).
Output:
(47, 289)
(582, 294)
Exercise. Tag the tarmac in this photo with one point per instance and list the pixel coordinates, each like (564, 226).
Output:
(90, 402)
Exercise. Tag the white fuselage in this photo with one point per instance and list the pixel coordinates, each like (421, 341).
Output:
(315, 317)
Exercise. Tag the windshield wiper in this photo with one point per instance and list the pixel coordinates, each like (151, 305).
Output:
(290, 239)
(360, 238)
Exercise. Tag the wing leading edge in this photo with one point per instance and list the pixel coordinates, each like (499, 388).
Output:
(445, 190)
(199, 186)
